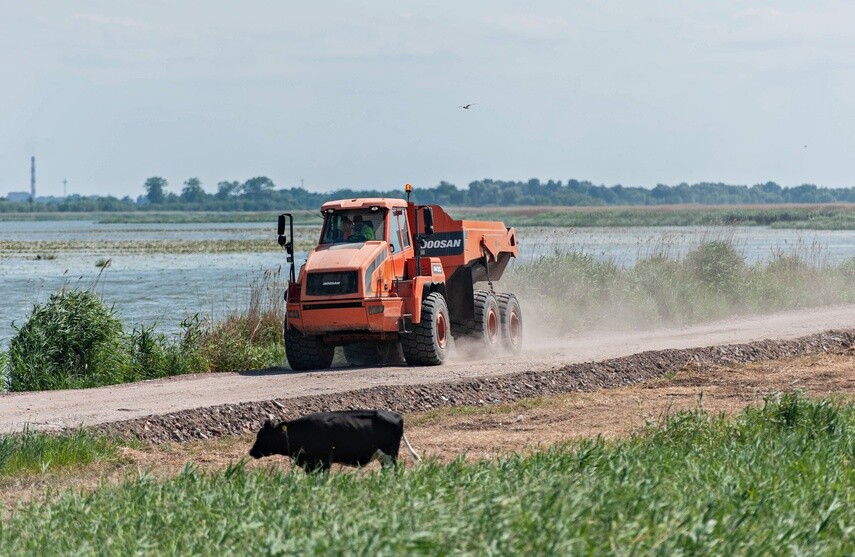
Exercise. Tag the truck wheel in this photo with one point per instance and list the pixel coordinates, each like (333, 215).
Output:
(511, 329)
(306, 352)
(373, 353)
(484, 328)
(428, 344)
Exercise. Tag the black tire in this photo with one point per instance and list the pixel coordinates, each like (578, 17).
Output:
(429, 343)
(485, 328)
(511, 327)
(306, 352)
(373, 353)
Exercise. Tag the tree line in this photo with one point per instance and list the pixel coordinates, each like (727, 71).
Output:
(261, 194)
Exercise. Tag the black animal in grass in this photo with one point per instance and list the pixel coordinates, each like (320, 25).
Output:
(351, 437)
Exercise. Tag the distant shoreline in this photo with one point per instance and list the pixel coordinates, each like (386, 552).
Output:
(802, 216)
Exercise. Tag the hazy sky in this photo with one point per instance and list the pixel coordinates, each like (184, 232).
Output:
(365, 94)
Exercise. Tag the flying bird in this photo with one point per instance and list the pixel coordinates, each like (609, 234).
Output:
(467, 106)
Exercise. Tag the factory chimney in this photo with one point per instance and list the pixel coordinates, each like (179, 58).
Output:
(32, 178)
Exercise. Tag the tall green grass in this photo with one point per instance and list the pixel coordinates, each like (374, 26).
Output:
(250, 338)
(774, 481)
(34, 451)
(575, 292)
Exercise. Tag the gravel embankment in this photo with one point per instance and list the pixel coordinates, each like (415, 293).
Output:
(229, 419)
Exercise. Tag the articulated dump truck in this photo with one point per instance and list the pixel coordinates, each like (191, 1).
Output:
(391, 280)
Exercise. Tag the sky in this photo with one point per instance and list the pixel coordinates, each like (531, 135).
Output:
(365, 94)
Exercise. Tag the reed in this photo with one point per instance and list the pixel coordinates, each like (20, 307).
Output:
(574, 292)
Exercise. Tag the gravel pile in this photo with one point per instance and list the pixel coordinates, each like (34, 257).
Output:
(229, 419)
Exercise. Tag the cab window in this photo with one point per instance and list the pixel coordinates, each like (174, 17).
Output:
(398, 232)
(354, 225)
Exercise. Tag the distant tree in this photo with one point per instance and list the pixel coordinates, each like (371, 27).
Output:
(254, 188)
(226, 190)
(193, 192)
(154, 188)
(259, 194)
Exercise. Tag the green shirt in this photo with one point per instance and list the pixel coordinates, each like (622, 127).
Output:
(362, 229)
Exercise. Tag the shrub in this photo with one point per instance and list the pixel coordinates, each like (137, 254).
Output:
(74, 340)
(716, 264)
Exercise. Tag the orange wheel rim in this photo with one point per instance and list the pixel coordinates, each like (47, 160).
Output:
(514, 328)
(441, 330)
(492, 325)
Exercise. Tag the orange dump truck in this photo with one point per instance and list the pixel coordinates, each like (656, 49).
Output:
(392, 280)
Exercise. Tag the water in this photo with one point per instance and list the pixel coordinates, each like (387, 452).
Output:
(163, 289)
(155, 288)
(90, 230)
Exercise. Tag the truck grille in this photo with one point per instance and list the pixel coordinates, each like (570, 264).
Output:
(330, 284)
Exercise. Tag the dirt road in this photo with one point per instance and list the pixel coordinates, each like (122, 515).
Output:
(60, 409)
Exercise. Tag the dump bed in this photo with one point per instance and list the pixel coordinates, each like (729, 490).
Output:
(484, 246)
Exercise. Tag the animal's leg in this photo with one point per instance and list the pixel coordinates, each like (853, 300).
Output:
(385, 459)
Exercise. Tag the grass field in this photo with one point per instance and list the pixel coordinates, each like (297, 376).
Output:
(774, 480)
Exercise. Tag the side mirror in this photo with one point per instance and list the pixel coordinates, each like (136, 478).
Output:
(280, 229)
(428, 212)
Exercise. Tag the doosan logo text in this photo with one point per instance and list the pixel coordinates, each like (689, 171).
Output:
(432, 244)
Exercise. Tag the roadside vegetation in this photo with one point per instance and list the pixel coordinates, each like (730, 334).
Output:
(75, 340)
(577, 292)
(772, 480)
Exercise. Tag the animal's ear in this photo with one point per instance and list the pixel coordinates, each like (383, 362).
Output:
(270, 423)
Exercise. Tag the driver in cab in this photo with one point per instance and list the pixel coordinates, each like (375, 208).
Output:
(345, 229)
(361, 231)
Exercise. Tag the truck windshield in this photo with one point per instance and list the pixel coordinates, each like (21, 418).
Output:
(354, 225)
